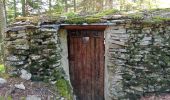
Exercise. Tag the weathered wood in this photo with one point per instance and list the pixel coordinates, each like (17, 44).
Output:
(85, 27)
(86, 59)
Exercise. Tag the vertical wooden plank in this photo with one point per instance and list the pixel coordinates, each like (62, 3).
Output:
(95, 67)
(82, 66)
(88, 59)
(92, 45)
(71, 62)
(76, 70)
(99, 95)
(87, 68)
(79, 64)
(101, 70)
(102, 64)
(98, 69)
(75, 65)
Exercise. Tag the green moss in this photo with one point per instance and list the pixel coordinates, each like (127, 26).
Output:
(136, 16)
(71, 15)
(75, 19)
(81, 20)
(3, 98)
(106, 12)
(155, 20)
(160, 9)
(160, 19)
(92, 20)
(64, 88)
(2, 68)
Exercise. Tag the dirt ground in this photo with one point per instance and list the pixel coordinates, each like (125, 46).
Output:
(157, 97)
(42, 90)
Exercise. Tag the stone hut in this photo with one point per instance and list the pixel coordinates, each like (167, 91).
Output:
(111, 58)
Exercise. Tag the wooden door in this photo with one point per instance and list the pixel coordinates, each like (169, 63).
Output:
(86, 63)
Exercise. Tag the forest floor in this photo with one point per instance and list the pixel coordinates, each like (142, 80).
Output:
(157, 97)
(39, 90)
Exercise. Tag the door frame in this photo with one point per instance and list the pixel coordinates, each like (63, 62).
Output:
(89, 27)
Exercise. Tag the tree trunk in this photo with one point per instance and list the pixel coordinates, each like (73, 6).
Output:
(110, 4)
(75, 6)
(15, 9)
(140, 4)
(99, 5)
(2, 29)
(122, 4)
(23, 7)
(5, 11)
(66, 6)
(50, 5)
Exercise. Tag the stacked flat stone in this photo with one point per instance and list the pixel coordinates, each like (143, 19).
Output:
(35, 49)
(45, 54)
(147, 64)
(128, 44)
(17, 45)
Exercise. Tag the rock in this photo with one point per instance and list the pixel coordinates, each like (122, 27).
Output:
(32, 97)
(15, 63)
(25, 75)
(15, 58)
(23, 47)
(35, 57)
(61, 98)
(2, 81)
(20, 86)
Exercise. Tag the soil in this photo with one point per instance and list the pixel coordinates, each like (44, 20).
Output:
(40, 89)
(157, 97)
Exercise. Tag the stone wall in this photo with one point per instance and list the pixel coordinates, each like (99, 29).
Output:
(115, 37)
(137, 60)
(36, 49)
(136, 56)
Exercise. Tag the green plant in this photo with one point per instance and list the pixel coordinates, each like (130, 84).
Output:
(71, 15)
(3, 98)
(2, 68)
(106, 12)
(94, 18)
(64, 88)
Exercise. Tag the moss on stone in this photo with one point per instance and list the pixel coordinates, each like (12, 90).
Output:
(34, 19)
(5, 98)
(159, 19)
(64, 88)
(2, 68)
(71, 15)
(95, 18)
(156, 20)
(76, 20)
(136, 16)
(92, 20)
(106, 12)
(81, 20)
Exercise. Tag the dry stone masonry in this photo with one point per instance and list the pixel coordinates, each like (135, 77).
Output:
(138, 59)
(35, 49)
(137, 55)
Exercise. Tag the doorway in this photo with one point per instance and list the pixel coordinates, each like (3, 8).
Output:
(86, 63)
